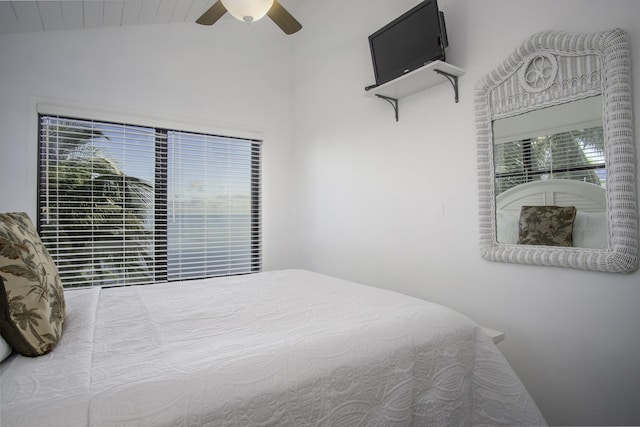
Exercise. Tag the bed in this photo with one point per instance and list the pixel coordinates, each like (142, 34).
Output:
(286, 348)
(590, 223)
(277, 348)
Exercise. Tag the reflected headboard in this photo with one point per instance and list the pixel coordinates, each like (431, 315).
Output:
(584, 196)
(590, 226)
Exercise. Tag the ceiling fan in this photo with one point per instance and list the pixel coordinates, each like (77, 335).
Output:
(251, 10)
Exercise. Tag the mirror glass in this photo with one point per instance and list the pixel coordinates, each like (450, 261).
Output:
(534, 149)
(556, 154)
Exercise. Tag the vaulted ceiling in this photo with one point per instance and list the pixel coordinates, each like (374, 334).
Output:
(53, 15)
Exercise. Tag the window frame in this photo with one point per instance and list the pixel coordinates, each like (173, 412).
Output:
(163, 127)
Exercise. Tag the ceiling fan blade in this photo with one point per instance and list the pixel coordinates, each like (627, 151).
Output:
(212, 14)
(283, 19)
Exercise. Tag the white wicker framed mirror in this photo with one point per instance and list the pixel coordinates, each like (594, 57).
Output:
(533, 100)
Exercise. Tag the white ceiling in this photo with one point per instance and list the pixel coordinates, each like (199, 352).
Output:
(52, 15)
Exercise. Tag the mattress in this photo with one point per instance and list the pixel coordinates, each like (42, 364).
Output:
(285, 348)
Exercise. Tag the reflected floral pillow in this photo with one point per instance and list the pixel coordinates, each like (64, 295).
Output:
(547, 225)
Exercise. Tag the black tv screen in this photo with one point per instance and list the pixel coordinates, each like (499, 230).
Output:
(408, 42)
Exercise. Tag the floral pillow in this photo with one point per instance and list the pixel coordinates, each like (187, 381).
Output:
(547, 225)
(32, 307)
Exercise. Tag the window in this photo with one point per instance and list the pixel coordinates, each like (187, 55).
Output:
(565, 141)
(576, 154)
(126, 204)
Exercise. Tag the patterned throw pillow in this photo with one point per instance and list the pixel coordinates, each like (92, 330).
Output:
(547, 225)
(31, 296)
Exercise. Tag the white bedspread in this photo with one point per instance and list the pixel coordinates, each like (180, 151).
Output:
(290, 348)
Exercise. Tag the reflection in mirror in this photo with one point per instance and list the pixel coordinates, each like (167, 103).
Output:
(556, 154)
(533, 153)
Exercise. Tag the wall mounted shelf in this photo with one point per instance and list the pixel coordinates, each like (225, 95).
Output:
(430, 75)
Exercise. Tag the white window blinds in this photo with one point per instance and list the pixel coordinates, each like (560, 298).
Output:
(122, 204)
(214, 206)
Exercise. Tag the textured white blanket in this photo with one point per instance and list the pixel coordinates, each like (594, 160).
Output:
(290, 348)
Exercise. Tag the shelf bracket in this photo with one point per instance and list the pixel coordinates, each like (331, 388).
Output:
(392, 101)
(452, 79)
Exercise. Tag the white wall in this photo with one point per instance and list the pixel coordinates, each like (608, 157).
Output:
(228, 76)
(395, 204)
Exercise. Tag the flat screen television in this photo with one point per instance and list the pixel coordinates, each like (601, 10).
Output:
(409, 42)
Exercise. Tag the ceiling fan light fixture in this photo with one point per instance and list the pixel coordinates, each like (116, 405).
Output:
(247, 10)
